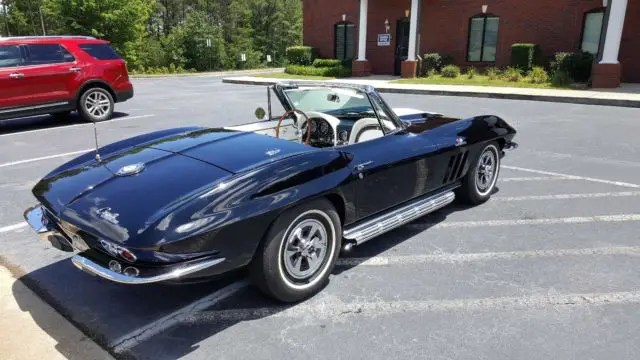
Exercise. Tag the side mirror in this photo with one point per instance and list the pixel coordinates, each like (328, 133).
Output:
(260, 113)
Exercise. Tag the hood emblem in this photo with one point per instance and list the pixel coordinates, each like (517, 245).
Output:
(107, 215)
(129, 170)
(460, 141)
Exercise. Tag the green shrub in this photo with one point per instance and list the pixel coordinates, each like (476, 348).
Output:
(493, 73)
(512, 74)
(301, 55)
(431, 73)
(471, 72)
(577, 65)
(323, 63)
(525, 56)
(538, 75)
(561, 79)
(435, 61)
(336, 71)
(450, 71)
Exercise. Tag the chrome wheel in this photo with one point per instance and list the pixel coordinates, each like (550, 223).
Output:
(97, 104)
(305, 249)
(486, 170)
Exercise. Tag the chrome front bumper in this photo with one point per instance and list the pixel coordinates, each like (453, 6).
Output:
(176, 273)
(48, 231)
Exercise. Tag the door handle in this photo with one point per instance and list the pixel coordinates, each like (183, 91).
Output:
(16, 76)
(75, 69)
(363, 165)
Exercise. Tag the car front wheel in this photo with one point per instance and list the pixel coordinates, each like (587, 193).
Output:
(299, 252)
(480, 180)
(96, 104)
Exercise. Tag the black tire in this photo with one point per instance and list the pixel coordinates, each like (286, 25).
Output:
(62, 115)
(90, 96)
(270, 269)
(473, 191)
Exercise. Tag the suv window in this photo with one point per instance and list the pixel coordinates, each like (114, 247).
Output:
(47, 54)
(100, 51)
(9, 56)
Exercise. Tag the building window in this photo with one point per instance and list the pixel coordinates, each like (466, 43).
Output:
(483, 38)
(591, 30)
(344, 40)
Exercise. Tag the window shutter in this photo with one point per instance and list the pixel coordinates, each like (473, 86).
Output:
(340, 39)
(475, 39)
(349, 46)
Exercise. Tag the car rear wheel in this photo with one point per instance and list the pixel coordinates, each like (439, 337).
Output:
(480, 180)
(96, 104)
(299, 252)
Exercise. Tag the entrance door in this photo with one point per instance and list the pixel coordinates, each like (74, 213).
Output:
(402, 44)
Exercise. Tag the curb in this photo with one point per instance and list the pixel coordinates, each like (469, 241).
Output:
(489, 95)
(214, 73)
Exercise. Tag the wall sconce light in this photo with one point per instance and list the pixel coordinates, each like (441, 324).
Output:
(484, 8)
(407, 13)
(604, 3)
(387, 25)
(344, 17)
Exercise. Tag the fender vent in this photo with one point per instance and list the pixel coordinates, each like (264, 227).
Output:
(456, 167)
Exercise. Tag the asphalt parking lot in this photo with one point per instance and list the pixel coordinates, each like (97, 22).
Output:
(547, 269)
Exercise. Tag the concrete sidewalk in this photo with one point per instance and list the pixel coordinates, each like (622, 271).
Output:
(31, 329)
(628, 95)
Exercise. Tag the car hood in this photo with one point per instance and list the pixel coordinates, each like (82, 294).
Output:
(94, 197)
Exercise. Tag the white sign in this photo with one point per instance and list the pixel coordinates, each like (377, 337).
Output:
(208, 42)
(268, 58)
(243, 57)
(384, 39)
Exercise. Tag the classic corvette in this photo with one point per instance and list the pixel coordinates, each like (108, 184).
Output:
(283, 196)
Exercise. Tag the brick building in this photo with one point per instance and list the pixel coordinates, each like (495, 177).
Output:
(475, 32)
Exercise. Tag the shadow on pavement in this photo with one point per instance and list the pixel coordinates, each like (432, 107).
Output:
(46, 122)
(107, 311)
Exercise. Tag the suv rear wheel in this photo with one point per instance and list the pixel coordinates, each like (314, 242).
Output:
(96, 104)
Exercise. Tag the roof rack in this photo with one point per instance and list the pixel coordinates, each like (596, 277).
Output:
(79, 37)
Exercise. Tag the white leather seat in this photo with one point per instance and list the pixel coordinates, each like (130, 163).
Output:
(365, 129)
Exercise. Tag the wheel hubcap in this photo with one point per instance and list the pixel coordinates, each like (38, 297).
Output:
(486, 170)
(97, 104)
(305, 249)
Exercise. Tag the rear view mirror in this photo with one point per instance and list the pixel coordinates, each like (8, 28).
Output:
(260, 113)
(333, 98)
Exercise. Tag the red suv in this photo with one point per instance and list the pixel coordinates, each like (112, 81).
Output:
(59, 74)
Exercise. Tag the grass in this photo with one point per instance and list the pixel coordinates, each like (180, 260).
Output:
(296, 77)
(478, 80)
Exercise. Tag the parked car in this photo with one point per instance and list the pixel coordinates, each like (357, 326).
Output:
(59, 74)
(282, 195)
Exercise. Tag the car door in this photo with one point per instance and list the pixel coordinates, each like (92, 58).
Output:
(12, 88)
(50, 74)
(390, 170)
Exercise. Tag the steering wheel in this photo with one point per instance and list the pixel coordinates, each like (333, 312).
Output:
(307, 120)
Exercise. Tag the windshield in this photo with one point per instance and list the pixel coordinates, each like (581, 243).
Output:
(334, 101)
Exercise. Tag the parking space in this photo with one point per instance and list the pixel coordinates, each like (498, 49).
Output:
(548, 268)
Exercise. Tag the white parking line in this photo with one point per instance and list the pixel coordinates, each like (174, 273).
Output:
(44, 158)
(546, 221)
(447, 258)
(141, 334)
(330, 307)
(566, 196)
(535, 178)
(13, 227)
(77, 125)
(619, 183)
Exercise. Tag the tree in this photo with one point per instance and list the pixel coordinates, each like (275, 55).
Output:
(122, 22)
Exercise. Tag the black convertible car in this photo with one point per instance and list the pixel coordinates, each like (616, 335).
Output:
(283, 195)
